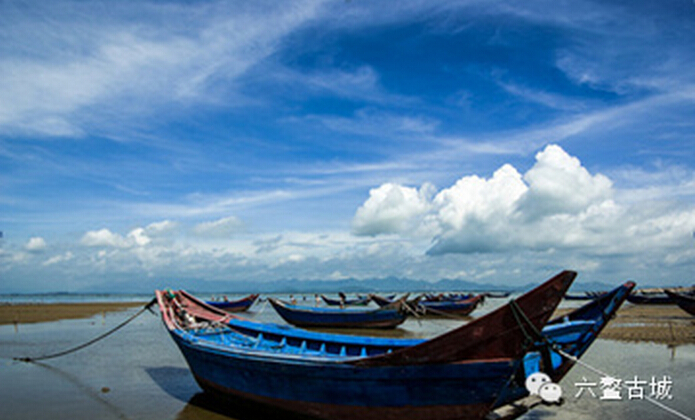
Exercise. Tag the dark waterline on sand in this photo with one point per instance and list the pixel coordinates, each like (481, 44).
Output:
(139, 373)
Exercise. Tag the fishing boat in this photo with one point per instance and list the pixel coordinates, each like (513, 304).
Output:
(240, 305)
(685, 301)
(497, 295)
(571, 334)
(306, 316)
(459, 374)
(578, 296)
(383, 301)
(461, 307)
(343, 301)
(650, 298)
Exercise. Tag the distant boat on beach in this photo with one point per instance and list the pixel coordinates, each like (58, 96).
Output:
(240, 305)
(650, 297)
(307, 316)
(685, 301)
(460, 307)
(344, 301)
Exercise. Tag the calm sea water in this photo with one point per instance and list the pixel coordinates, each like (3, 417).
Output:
(138, 373)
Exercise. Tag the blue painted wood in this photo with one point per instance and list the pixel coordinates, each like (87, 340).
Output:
(288, 376)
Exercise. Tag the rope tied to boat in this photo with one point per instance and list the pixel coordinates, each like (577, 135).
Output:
(147, 307)
(519, 315)
(518, 312)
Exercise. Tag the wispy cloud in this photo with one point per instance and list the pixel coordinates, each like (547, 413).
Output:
(124, 60)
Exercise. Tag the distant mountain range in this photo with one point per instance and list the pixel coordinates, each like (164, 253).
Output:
(350, 285)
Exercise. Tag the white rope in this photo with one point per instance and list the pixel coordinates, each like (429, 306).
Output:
(265, 303)
(646, 397)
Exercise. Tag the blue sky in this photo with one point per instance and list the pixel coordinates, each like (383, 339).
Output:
(183, 143)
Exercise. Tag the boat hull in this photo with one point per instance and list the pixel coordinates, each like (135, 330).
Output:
(338, 318)
(650, 299)
(338, 391)
(453, 307)
(240, 305)
(685, 302)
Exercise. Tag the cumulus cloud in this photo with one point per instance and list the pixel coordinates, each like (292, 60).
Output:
(138, 237)
(558, 183)
(557, 204)
(106, 238)
(391, 208)
(103, 237)
(35, 244)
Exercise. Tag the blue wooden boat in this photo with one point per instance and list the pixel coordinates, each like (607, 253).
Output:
(240, 305)
(343, 301)
(460, 374)
(460, 307)
(307, 316)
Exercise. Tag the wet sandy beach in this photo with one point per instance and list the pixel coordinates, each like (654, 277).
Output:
(666, 324)
(26, 313)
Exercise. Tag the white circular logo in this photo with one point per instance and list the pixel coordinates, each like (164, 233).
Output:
(535, 381)
(550, 392)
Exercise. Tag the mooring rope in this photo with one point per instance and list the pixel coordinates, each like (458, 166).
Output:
(518, 311)
(604, 374)
(90, 342)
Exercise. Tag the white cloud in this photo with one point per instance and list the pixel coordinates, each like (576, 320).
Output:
(557, 204)
(164, 227)
(474, 199)
(138, 237)
(222, 228)
(105, 238)
(67, 256)
(35, 244)
(558, 183)
(391, 208)
(62, 78)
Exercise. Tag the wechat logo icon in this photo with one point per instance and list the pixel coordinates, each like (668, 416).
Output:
(540, 384)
